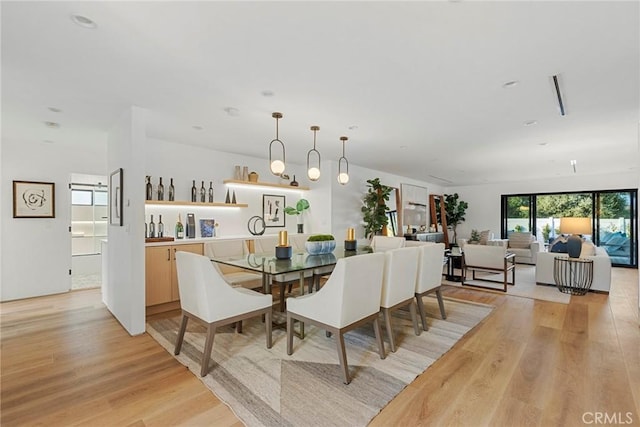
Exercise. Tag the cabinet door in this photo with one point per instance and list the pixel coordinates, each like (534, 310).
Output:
(157, 275)
(196, 248)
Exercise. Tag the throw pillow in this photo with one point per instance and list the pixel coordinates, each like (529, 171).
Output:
(588, 249)
(484, 237)
(520, 240)
(559, 245)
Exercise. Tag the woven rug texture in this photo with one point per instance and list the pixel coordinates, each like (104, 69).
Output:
(266, 387)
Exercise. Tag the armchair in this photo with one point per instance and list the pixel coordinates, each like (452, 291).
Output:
(525, 247)
(492, 259)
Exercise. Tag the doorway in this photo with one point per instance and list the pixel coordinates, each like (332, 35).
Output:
(89, 210)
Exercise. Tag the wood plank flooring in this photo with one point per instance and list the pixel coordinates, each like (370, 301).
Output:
(66, 361)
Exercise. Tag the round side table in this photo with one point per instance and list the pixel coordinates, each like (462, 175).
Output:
(573, 275)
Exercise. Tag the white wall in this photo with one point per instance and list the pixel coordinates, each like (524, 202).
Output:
(124, 293)
(36, 252)
(484, 199)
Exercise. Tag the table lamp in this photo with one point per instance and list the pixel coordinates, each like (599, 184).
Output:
(575, 227)
(350, 243)
(283, 250)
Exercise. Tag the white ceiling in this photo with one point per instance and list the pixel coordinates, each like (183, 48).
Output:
(422, 81)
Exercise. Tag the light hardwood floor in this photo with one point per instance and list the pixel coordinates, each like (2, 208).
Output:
(66, 361)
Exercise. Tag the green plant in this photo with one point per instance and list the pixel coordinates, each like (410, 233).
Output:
(518, 228)
(374, 211)
(475, 236)
(455, 210)
(546, 231)
(301, 206)
(320, 238)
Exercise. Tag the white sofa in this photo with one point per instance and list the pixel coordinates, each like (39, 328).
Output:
(601, 269)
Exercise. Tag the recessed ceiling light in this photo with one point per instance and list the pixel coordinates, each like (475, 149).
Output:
(353, 127)
(510, 84)
(232, 111)
(530, 122)
(54, 109)
(48, 141)
(543, 143)
(267, 93)
(403, 147)
(83, 21)
(52, 125)
(196, 127)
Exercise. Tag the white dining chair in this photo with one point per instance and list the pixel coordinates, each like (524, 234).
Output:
(398, 287)
(429, 278)
(234, 275)
(386, 243)
(207, 298)
(349, 299)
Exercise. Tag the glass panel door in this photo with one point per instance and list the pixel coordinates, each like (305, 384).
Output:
(551, 208)
(518, 214)
(615, 227)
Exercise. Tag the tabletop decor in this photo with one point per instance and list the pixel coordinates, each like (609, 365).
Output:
(319, 244)
(350, 243)
(33, 199)
(283, 250)
(301, 206)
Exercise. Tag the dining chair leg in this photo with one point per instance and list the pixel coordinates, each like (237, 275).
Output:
(378, 331)
(342, 356)
(183, 328)
(414, 317)
(208, 345)
(423, 316)
(268, 327)
(387, 321)
(289, 334)
(441, 304)
(239, 326)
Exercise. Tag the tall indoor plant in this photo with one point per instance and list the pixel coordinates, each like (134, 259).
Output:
(374, 209)
(455, 210)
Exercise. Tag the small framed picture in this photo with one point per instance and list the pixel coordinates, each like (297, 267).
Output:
(32, 199)
(115, 198)
(273, 210)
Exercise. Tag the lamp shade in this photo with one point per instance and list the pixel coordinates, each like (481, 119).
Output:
(571, 225)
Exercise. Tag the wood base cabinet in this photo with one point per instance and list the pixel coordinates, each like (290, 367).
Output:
(161, 277)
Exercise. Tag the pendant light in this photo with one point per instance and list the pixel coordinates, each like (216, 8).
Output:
(343, 174)
(313, 172)
(276, 165)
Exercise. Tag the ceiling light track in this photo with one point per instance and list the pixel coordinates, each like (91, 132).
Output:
(556, 85)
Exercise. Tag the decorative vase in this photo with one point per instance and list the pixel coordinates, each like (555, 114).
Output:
(237, 174)
(319, 248)
(253, 177)
(245, 173)
(294, 183)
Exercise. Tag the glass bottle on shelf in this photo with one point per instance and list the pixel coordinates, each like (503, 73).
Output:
(179, 228)
(152, 228)
(172, 191)
(160, 190)
(146, 230)
(210, 191)
(203, 193)
(149, 188)
(160, 227)
(194, 192)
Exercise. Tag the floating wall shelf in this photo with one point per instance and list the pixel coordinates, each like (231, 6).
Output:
(185, 203)
(265, 184)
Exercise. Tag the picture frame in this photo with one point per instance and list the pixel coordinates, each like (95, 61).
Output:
(273, 210)
(34, 199)
(115, 198)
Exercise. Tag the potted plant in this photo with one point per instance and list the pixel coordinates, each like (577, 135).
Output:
(475, 237)
(374, 211)
(319, 244)
(455, 210)
(518, 228)
(301, 206)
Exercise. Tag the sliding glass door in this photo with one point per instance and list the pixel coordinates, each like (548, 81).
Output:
(615, 227)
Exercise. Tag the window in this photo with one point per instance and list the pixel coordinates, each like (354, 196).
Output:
(82, 197)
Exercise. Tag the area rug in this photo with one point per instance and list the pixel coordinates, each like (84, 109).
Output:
(525, 286)
(265, 387)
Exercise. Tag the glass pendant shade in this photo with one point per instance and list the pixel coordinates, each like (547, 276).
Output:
(313, 158)
(343, 165)
(276, 165)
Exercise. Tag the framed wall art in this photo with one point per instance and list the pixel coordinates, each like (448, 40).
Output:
(115, 197)
(273, 210)
(33, 199)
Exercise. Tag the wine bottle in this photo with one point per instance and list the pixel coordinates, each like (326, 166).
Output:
(160, 190)
(210, 191)
(160, 227)
(179, 228)
(152, 228)
(194, 192)
(149, 188)
(203, 192)
(172, 191)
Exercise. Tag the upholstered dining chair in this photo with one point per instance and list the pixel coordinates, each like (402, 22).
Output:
(398, 286)
(207, 298)
(234, 275)
(385, 243)
(429, 277)
(349, 298)
(267, 245)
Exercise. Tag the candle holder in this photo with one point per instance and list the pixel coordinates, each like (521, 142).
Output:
(350, 245)
(283, 250)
